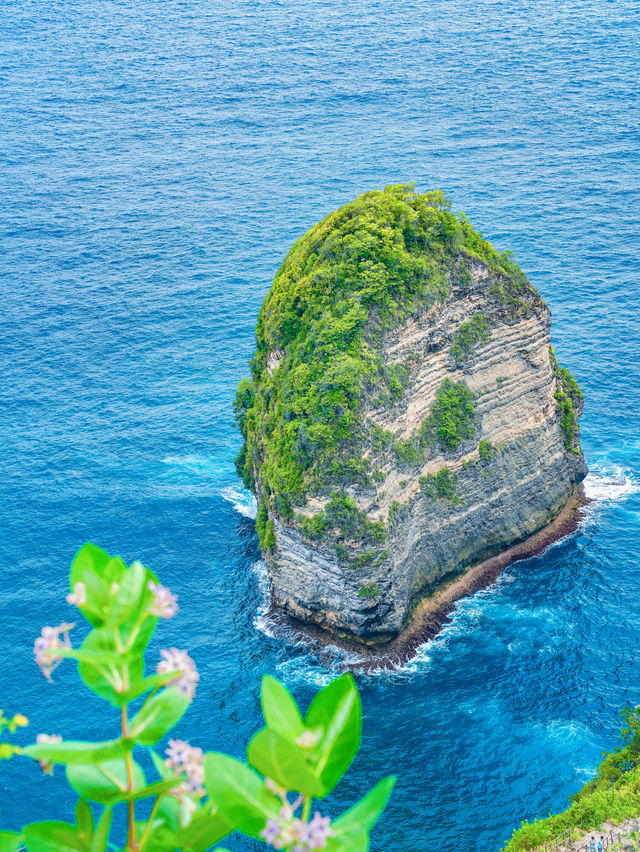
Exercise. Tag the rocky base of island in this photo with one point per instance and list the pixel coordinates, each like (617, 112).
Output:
(433, 612)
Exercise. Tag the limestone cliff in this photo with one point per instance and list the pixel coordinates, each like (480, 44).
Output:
(406, 416)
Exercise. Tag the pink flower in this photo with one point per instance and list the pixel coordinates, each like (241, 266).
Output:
(183, 758)
(188, 677)
(79, 596)
(318, 830)
(164, 604)
(308, 739)
(48, 643)
(43, 739)
(290, 832)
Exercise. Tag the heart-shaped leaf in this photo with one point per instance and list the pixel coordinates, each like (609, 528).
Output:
(364, 815)
(279, 709)
(104, 782)
(53, 837)
(73, 751)
(285, 762)
(240, 795)
(158, 715)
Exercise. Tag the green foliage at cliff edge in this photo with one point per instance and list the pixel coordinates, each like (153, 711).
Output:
(613, 795)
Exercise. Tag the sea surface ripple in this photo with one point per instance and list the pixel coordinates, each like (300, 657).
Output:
(158, 160)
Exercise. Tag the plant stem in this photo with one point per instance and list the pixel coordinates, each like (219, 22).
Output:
(145, 835)
(131, 840)
(150, 695)
(306, 809)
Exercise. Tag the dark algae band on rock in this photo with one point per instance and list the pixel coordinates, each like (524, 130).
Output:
(406, 418)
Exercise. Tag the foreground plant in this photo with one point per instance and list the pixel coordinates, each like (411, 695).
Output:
(196, 798)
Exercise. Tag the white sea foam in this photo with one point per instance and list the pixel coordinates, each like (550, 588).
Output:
(208, 470)
(243, 502)
(609, 484)
(260, 570)
(192, 461)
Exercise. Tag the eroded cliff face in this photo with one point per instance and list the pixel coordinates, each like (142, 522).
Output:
(523, 478)
(470, 444)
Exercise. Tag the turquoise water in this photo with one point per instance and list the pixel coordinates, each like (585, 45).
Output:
(158, 160)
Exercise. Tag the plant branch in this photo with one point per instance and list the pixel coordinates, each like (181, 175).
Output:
(306, 809)
(147, 830)
(131, 840)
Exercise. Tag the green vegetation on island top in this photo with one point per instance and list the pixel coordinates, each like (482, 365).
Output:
(612, 796)
(195, 799)
(362, 270)
(319, 375)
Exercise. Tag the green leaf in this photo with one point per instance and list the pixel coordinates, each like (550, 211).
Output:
(84, 818)
(158, 715)
(205, 829)
(283, 761)
(101, 837)
(89, 560)
(101, 678)
(95, 568)
(168, 811)
(357, 841)
(161, 767)
(144, 632)
(337, 710)
(53, 837)
(147, 683)
(129, 596)
(10, 841)
(364, 815)
(280, 710)
(150, 790)
(160, 839)
(105, 782)
(72, 751)
(240, 795)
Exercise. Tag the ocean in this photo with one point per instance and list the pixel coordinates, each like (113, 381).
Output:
(158, 161)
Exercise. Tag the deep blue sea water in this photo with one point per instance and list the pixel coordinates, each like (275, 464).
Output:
(157, 162)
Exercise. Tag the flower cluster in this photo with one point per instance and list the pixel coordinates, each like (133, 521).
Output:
(182, 757)
(308, 739)
(289, 831)
(45, 739)
(164, 604)
(50, 640)
(188, 760)
(174, 660)
(79, 595)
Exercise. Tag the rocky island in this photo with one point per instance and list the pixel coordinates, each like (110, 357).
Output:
(407, 428)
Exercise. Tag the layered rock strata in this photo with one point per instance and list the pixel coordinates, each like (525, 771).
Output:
(463, 438)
